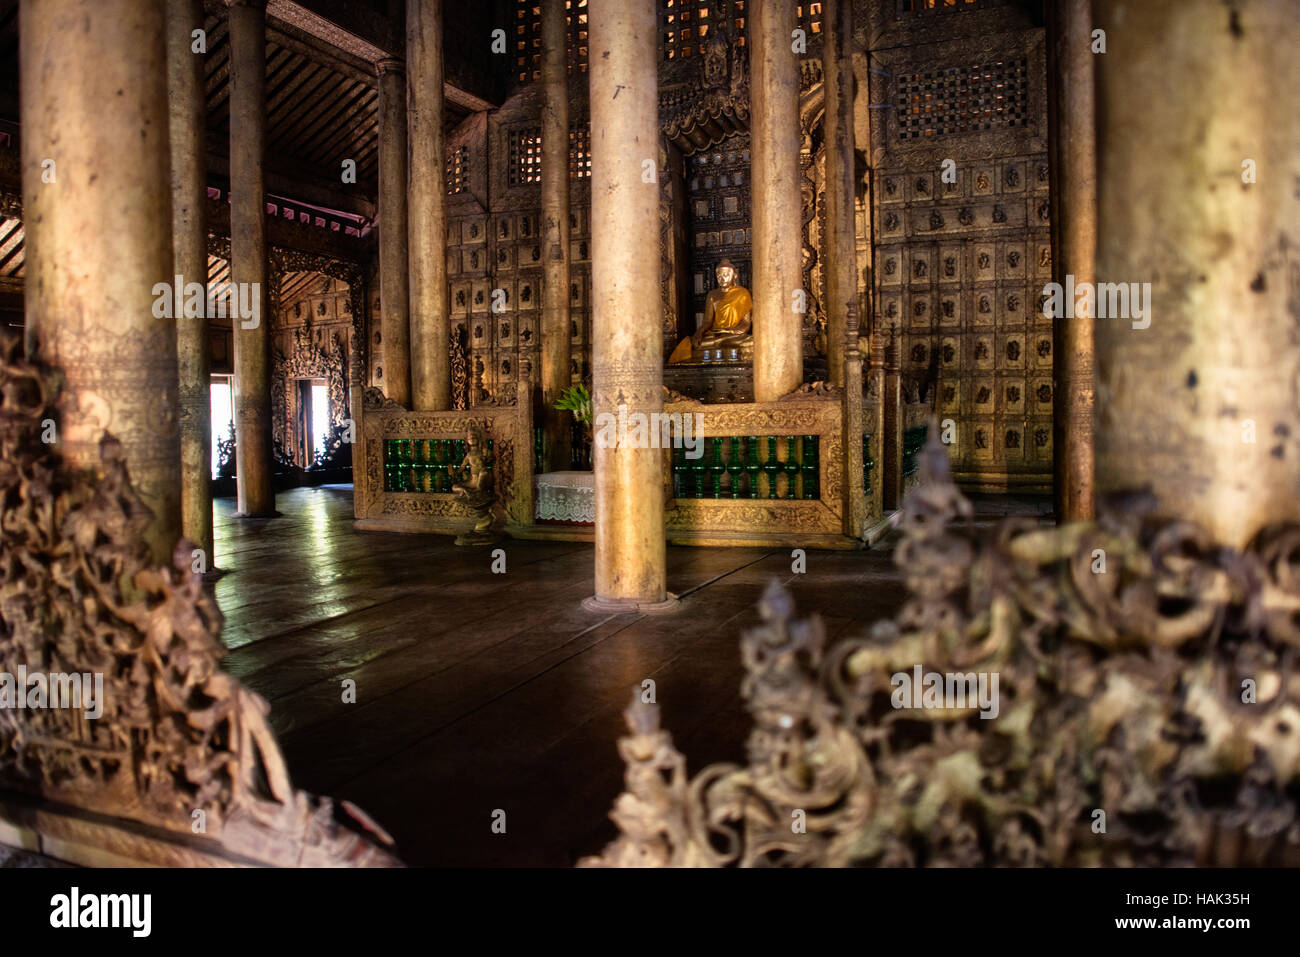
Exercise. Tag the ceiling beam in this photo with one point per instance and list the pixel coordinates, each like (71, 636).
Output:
(291, 178)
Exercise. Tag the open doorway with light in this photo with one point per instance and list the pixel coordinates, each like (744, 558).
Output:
(314, 419)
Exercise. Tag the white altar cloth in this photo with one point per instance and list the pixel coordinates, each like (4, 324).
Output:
(566, 497)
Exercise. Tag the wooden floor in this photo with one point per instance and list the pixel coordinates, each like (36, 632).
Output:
(478, 691)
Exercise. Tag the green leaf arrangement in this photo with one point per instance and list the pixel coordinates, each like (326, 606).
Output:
(576, 399)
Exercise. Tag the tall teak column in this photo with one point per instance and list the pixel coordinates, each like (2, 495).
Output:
(188, 115)
(427, 209)
(627, 351)
(254, 496)
(841, 242)
(97, 211)
(1074, 160)
(1200, 405)
(394, 294)
(777, 203)
(842, 354)
(556, 351)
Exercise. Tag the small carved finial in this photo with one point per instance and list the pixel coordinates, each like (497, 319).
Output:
(776, 604)
(641, 717)
(932, 461)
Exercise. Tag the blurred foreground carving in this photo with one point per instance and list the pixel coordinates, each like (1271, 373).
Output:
(177, 735)
(1126, 691)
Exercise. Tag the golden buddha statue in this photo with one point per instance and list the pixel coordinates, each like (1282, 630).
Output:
(727, 327)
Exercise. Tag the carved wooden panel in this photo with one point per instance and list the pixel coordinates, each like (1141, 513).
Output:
(718, 218)
(962, 242)
(494, 251)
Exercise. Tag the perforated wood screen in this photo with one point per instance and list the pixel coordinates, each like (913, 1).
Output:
(961, 215)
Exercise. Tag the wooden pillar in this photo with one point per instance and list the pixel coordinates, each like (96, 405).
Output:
(869, 326)
(97, 211)
(363, 299)
(395, 329)
(556, 349)
(188, 105)
(1197, 173)
(777, 203)
(853, 491)
(627, 351)
(843, 357)
(1074, 228)
(427, 210)
(248, 272)
(841, 243)
(891, 400)
(875, 421)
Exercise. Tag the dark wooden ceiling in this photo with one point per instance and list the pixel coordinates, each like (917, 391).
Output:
(11, 248)
(321, 108)
(9, 59)
(317, 115)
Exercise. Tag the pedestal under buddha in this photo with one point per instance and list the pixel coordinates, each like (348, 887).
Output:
(727, 332)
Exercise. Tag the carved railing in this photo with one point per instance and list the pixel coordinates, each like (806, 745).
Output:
(913, 442)
(868, 464)
(422, 465)
(748, 466)
(181, 766)
(409, 460)
(769, 471)
(1145, 710)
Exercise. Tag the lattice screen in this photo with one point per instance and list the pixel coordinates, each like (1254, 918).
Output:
(580, 151)
(963, 99)
(504, 252)
(961, 266)
(525, 156)
(528, 38)
(457, 170)
(718, 216)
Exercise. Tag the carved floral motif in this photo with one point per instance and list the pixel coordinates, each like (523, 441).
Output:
(177, 734)
(1157, 688)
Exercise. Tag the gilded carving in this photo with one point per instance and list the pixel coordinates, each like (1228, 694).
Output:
(309, 361)
(1120, 692)
(177, 735)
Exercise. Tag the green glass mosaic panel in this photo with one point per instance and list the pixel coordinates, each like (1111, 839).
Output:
(868, 463)
(913, 442)
(423, 465)
(750, 467)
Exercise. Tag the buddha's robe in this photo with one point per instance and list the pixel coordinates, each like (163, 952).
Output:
(729, 313)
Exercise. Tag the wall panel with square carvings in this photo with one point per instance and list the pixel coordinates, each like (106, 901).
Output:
(961, 227)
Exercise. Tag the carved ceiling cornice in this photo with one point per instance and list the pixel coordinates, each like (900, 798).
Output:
(701, 112)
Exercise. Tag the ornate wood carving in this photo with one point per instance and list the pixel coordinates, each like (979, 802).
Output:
(961, 256)
(1157, 689)
(177, 735)
(700, 113)
(816, 413)
(11, 204)
(294, 260)
(309, 361)
(459, 368)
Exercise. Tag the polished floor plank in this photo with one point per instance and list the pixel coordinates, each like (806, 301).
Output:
(478, 692)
